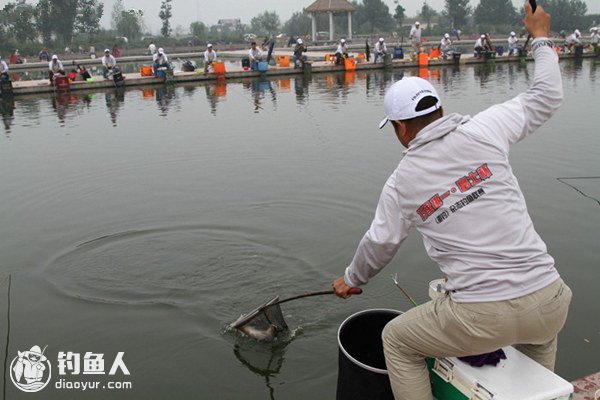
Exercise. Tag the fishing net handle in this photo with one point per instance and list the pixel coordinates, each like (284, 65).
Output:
(352, 291)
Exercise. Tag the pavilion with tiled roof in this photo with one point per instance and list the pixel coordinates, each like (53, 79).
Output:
(330, 7)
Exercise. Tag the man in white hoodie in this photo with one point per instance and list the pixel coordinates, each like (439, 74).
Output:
(456, 187)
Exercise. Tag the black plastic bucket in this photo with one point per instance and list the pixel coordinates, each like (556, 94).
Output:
(456, 57)
(362, 372)
(387, 60)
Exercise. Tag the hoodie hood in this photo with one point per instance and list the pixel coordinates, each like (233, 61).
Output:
(438, 129)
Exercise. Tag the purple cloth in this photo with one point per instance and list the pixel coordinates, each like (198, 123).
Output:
(480, 360)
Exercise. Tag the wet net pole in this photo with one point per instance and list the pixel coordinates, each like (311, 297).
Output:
(325, 292)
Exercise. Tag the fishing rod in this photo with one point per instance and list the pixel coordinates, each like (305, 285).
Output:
(395, 279)
(7, 339)
(533, 5)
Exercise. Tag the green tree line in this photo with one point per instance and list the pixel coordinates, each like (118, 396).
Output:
(48, 22)
(375, 17)
(70, 22)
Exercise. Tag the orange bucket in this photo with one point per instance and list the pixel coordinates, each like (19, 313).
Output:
(350, 64)
(219, 67)
(361, 57)
(434, 53)
(350, 78)
(423, 60)
(148, 94)
(221, 88)
(284, 84)
(284, 61)
(145, 70)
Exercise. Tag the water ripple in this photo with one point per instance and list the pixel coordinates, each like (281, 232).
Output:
(197, 266)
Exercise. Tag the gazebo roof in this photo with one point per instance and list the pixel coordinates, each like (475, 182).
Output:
(331, 5)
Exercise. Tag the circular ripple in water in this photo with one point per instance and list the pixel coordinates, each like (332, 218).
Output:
(206, 267)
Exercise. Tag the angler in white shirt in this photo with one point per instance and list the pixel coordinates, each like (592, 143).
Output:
(380, 50)
(573, 39)
(595, 37)
(480, 46)
(160, 58)
(341, 52)
(108, 62)
(210, 56)
(255, 55)
(513, 46)
(161, 63)
(3, 70)
(55, 67)
(415, 37)
(446, 45)
(456, 187)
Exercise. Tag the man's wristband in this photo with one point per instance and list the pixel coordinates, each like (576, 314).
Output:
(540, 42)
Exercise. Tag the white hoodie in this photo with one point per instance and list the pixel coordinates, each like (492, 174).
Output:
(456, 187)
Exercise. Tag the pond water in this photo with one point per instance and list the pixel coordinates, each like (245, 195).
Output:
(146, 221)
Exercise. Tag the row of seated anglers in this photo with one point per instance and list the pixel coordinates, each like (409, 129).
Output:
(109, 67)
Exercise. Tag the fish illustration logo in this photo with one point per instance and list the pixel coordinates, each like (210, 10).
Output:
(30, 371)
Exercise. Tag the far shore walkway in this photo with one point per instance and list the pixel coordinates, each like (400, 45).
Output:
(314, 53)
(234, 69)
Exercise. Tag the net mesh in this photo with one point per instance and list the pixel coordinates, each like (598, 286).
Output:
(264, 322)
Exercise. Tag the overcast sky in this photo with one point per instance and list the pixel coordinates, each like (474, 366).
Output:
(209, 11)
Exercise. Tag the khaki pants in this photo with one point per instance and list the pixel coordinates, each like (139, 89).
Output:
(444, 328)
(416, 46)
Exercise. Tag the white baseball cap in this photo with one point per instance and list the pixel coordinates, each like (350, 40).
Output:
(299, 41)
(446, 35)
(417, 23)
(106, 50)
(577, 32)
(483, 36)
(55, 57)
(381, 39)
(343, 41)
(209, 45)
(513, 34)
(161, 50)
(402, 97)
